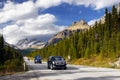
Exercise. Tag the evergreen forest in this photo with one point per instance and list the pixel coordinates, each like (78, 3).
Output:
(10, 59)
(98, 45)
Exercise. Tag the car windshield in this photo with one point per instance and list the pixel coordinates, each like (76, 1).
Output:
(58, 58)
(37, 57)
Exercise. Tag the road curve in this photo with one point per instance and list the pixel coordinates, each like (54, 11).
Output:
(73, 72)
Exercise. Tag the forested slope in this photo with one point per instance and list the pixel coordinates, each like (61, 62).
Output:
(98, 45)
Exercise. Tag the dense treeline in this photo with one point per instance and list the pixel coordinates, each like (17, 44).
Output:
(10, 59)
(101, 40)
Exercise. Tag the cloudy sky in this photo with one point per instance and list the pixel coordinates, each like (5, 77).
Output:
(44, 18)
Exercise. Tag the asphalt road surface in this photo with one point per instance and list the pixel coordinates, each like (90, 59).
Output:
(73, 72)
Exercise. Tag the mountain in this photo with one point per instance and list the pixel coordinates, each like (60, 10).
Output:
(75, 27)
(29, 43)
(98, 46)
(12, 46)
(9, 45)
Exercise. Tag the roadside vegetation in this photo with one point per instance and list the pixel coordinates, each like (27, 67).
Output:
(97, 46)
(11, 60)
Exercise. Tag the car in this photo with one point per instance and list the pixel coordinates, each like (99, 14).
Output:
(56, 62)
(37, 59)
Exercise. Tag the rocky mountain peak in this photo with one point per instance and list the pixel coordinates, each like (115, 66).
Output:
(82, 24)
(75, 27)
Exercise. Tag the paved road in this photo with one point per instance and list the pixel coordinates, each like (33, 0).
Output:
(40, 72)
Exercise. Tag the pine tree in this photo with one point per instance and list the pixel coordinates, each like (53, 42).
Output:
(1, 49)
(114, 18)
(106, 18)
(1, 42)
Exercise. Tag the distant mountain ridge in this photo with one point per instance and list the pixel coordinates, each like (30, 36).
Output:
(29, 43)
(12, 46)
(75, 27)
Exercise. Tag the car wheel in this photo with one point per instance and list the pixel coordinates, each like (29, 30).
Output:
(48, 67)
(51, 66)
(65, 68)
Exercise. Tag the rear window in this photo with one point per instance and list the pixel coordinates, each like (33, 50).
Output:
(58, 58)
(37, 57)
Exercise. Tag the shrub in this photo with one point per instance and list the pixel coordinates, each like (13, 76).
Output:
(13, 65)
(2, 68)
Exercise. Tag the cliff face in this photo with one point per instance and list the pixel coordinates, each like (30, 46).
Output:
(75, 27)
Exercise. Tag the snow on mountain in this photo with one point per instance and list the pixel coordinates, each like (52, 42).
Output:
(30, 43)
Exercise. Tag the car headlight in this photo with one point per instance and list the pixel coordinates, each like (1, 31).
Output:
(53, 62)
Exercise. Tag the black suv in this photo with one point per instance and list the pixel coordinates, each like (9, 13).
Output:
(56, 62)
(37, 59)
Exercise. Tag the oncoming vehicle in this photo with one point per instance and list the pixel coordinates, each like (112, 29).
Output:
(37, 59)
(56, 62)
